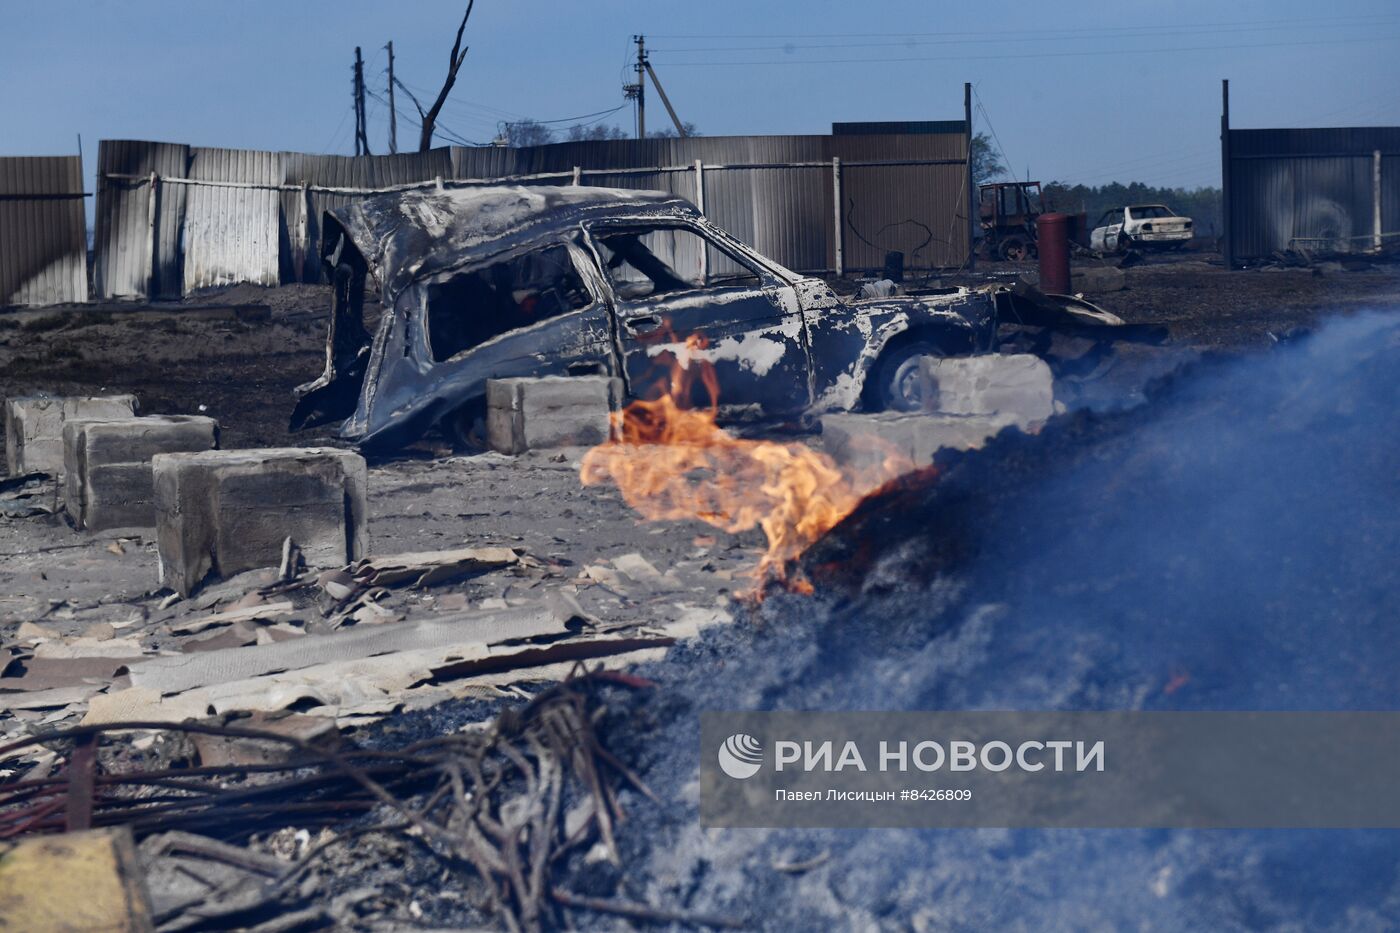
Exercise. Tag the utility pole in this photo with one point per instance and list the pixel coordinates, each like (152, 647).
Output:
(970, 182)
(661, 91)
(641, 86)
(393, 112)
(361, 140)
(1227, 243)
(355, 96)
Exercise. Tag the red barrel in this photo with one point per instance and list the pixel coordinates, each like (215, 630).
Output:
(1052, 236)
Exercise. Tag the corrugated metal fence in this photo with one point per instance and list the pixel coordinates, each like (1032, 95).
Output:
(43, 234)
(1332, 189)
(171, 218)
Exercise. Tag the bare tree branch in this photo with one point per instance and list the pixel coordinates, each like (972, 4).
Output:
(454, 62)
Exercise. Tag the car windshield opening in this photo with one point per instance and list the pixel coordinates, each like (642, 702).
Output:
(1148, 213)
(648, 263)
(468, 309)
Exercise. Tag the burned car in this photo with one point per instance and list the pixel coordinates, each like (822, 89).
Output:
(492, 282)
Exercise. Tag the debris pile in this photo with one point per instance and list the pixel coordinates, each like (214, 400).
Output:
(509, 798)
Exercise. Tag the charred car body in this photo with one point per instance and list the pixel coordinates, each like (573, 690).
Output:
(494, 282)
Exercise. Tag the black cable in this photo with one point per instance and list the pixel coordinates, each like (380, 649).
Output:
(986, 116)
(1024, 55)
(1358, 19)
(438, 128)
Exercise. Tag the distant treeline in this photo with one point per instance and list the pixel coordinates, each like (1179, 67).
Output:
(1202, 205)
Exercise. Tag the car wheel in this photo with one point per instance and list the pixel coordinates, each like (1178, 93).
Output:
(1014, 249)
(897, 382)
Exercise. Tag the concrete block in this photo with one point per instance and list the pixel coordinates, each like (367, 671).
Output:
(222, 512)
(1094, 280)
(34, 427)
(1016, 384)
(89, 880)
(550, 411)
(107, 465)
(860, 442)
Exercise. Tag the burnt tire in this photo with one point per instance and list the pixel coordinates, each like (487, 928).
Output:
(1014, 249)
(895, 382)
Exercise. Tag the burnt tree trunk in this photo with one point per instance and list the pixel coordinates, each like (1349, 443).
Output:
(454, 62)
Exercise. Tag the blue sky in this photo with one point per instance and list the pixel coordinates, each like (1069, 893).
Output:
(1089, 91)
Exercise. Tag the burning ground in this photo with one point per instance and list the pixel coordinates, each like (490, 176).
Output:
(1230, 546)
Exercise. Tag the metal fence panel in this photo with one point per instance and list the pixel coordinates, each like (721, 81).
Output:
(300, 223)
(1390, 194)
(231, 231)
(225, 215)
(917, 210)
(43, 233)
(1310, 188)
(754, 190)
(123, 237)
(1316, 203)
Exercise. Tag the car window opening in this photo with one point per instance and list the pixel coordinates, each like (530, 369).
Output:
(646, 264)
(471, 308)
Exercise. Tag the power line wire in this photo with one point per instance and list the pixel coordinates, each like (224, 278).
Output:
(1024, 55)
(1039, 38)
(439, 128)
(985, 116)
(335, 136)
(1355, 19)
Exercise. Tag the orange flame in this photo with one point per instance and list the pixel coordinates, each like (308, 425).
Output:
(673, 462)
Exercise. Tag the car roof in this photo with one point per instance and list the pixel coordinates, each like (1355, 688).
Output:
(409, 235)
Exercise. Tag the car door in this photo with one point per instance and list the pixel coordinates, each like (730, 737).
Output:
(681, 297)
(1103, 237)
(1119, 230)
(530, 312)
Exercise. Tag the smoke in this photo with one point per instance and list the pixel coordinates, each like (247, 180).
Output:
(1234, 544)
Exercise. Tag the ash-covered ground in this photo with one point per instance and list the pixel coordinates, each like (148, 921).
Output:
(1229, 546)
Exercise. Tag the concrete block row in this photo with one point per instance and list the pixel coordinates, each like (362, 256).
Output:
(550, 411)
(34, 427)
(216, 512)
(107, 465)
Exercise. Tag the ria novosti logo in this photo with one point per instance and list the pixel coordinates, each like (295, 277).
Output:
(741, 756)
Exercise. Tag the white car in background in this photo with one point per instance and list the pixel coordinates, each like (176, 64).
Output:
(1150, 226)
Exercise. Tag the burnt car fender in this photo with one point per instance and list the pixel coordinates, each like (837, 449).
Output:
(846, 346)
